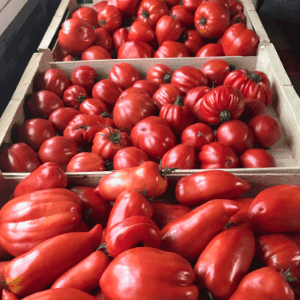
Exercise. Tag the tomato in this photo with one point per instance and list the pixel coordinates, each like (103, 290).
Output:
(148, 86)
(150, 11)
(154, 136)
(195, 189)
(184, 15)
(216, 70)
(256, 285)
(129, 157)
(194, 95)
(221, 104)
(87, 14)
(76, 35)
(109, 141)
(251, 84)
(217, 156)
(257, 158)
(92, 106)
(197, 135)
(69, 58)
(186, 78)
(74, 95)
(167, 93)
(125, 75)
(266, 130)
(103, 39)
(211, 19)
(58, 149)
(191, 4)
(99, 5)
(141, 32)
(18, 157)
(86, 162)
(134, 49)
(171, 49)
(128, 6)
(110, 18)
(192, 40)
(107, 91)
(53, 80)
(221, 271)
(61, 117)
(6, 295)
(237, 135)
(95, 52)
(181, 156)
(238, 18)
(241, 217)
(132, 108)
(238, 40)
(34, 132)
(253, 107)
(120, 37)
(210, 49)
(160, 74)
(235, 6)
(84, 76)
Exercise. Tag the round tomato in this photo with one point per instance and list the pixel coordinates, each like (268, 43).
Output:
(253, 107)
(69, 58)
(99, 5)
(257, 158)
(210, 49)
(194, 95)
(266, 130)
(198, 135)
(87, 14)
(141, 32)
(167, 93)
(95, 52)
(86, 162)
(160, 74)
(171, 49)
(216, 156)
(191, 4)
(92, 106)
(134, 49)
(128, 6)
(110, 18)
(74, 96)
(120, 37)
(238, 18)
(235, 6)
(192, 40)
(84, 76)
(184, 15)
(148, 86)
(103, 39)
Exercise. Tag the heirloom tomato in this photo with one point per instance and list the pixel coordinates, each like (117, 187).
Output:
(120, 37)
(128, 6)
(141, 32)
(61, 117)
(87, 14)
(103, 39)
(194, 95)
(184, 15)
(192, 40)
(171, 49)
(210, 49)
(238, 18)
(92, 106)
(148, 86)
(95, 52)
(133, 49)
(74, 95)
(160, 74)
(252, 108)
(110, 18)
(167, 93)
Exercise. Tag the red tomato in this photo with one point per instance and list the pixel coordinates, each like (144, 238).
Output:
(160, 74)
(61, 117)
(198, 135)
(150, 11)
(125, 75)
(87, 14)
(92, 106)
(154, 136)
(184, 15)
(266, 130)
(251, 84)
(216, 70)
(257, 158)
(103, 39)
(141, 32)
(237, 135)
(171, 49)
(210, 49)
(253, 107)
(34, 132)
(181, 156)
(58, 149)
(43, 103)
(134, 49)
(128, 6)
(69, 58)
(74, 95)
(53, 80)
(120, 37)
(107, 91)
(238, 18)
(148, 86)
(235, 6)
(99, 5)
(194, 95)
(241, 216)
(76, 35)
(217, 156)
(132, 108)
(221, 104)
(186, 78)
(238, 40)
(86, 162)
(167, 93)
(192, 4)
(18, 157)
(84, 76)
(95, 52)
(129, 157)
(192, 40)
(110, 18)
(109, 141)
(167, 29)
(211, 19)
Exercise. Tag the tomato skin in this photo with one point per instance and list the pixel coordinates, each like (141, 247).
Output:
(192, 40)
(210, 49)
(86, 162)
(129, 157)
(147, 86)
(192, 5)
(110, 18)
(154, 136)
(256, 285)
(107, 91)
(238, 18)
(216, 155)
(84, 76)
(237, 135)
(211, 19)
(120, 37)
(61, 117)
(68, 58)
(235, 6)
(58, 149)
(257, 158)
(160, 74)
(134, 49)
(171, 49)
(266, 130)
(201, 187)
(76, 35)
(6, 295)
(74, 95)
(103, 39)
(253, 107)
(198, 135)
(34, 132)
(238, 40)
(184, 15)
(141, 32)
(87, 14)
(99, 5)
(167, 93)
(228, 267)
(241, 217)
(92, 106)
(128, 6)
(95, 52)
(194, 95)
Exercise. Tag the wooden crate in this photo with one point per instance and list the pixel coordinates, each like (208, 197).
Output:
(68, 6)
(285, 105)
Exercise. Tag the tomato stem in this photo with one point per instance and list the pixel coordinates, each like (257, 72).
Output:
(81, 99)
(114, 136)
(238, 20)
(102, 22)
(179, 101)
(254, 76)
(104, 114)
(108, 164)
(232, 67)
(224, 116)
(180, 3)
(145, 14)
(167, 77)
(166, 171)
(202, 21)
(182, 38)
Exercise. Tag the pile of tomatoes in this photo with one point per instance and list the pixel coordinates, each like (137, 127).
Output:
(156, 28)
(187, 118)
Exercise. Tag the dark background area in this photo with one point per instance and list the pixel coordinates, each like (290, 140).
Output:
(20, 40)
